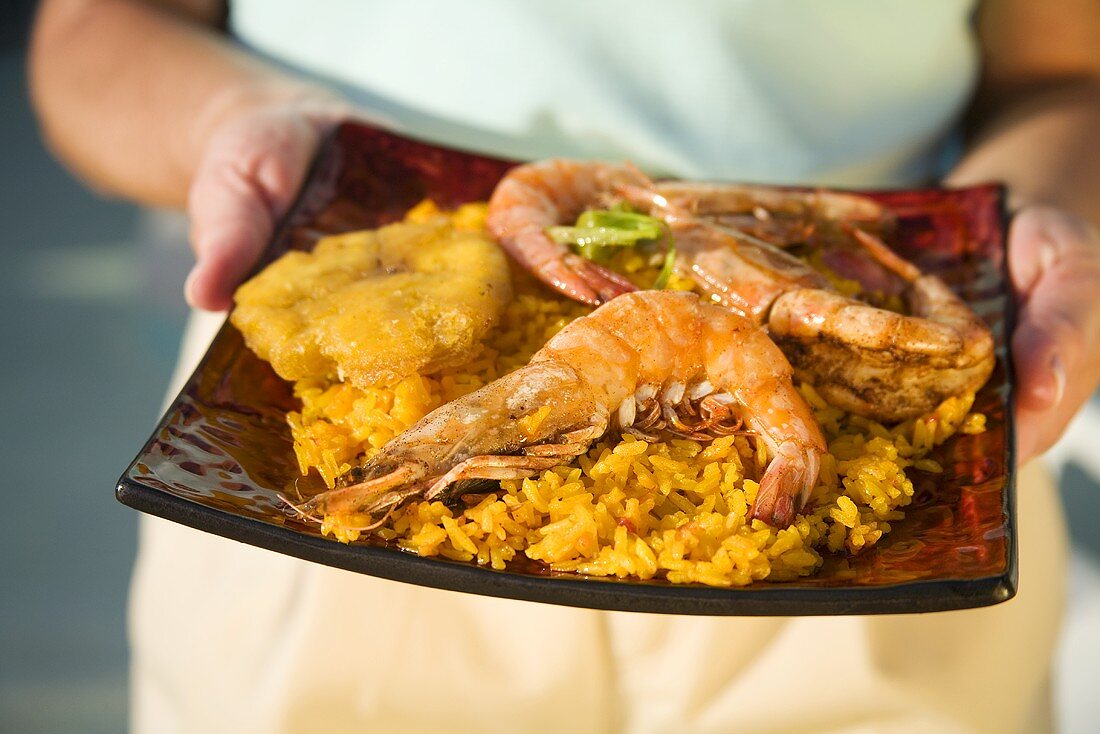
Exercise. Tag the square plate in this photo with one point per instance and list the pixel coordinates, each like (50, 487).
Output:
(223, 449)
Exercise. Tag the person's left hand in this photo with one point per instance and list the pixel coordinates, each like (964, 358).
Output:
(1054, 264)
(247, 176)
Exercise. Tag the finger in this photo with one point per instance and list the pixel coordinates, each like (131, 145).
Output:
(1054, 260)
(230, 224)
(244, 184)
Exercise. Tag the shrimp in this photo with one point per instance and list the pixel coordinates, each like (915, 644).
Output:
(535, 196)
(864, 359)
(642, 362)
(879, 363)
(781, 218)
(830, 222)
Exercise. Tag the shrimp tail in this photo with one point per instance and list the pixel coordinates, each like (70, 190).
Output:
(786, 485)
(605, 284)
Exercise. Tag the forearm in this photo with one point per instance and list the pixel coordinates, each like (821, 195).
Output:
(1035, 123)
(1043, 144)
(1046, 147)
(128, 93)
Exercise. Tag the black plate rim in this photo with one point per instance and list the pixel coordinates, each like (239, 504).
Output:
(779, 599)
(930, 595)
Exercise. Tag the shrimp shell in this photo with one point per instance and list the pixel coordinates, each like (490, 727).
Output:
(653, 344)
(535, 196)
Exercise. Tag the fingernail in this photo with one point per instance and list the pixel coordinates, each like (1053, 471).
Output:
(189, 285)
(1048, 254)
(1058, 370)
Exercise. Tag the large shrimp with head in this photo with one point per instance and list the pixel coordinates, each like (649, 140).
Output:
(865, 359)
(643, 362)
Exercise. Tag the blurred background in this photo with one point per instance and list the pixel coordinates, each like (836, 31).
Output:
(91, 311)
(90, 297)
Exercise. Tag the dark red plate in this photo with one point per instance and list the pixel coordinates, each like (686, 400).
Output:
(223, 449)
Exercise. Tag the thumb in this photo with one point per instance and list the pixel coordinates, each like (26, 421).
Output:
(1054, 259)
(246, 180)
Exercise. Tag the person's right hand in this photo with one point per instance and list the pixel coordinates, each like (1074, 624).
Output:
(1054, 261)
(248, 175)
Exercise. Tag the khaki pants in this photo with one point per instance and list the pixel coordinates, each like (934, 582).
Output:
(227, 637)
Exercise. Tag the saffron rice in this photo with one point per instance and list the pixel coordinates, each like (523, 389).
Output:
(627, 508)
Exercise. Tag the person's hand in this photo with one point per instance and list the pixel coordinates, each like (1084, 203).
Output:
(251, 168)
(1054, 262)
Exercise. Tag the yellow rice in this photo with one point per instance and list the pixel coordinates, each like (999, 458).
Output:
(628, 508)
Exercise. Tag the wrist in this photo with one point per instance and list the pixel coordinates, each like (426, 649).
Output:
(1042, 146)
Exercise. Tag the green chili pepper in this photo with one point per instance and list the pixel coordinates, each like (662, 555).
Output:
(597, 231)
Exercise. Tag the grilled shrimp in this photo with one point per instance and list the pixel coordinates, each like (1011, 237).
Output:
(832, 223)
(781, 218)
(879, 363)
(641, 363)
(535, 196)
(862, 358)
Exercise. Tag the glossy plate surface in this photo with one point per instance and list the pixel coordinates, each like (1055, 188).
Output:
(223, 451)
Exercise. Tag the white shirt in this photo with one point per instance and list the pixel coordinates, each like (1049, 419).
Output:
(844, 92)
